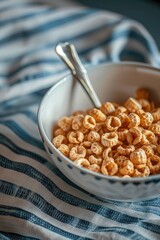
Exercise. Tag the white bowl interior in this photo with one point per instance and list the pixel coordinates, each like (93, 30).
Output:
(112, 82)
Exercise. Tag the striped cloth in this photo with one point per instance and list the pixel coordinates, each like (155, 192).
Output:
(36, 200)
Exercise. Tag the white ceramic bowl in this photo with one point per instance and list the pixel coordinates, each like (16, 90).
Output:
(112, 82)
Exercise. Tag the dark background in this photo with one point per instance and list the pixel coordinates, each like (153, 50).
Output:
(145, 11)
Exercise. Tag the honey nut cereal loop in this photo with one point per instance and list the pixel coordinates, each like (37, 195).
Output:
(77, 122)
(65, 123)
(145, 104)
(125, 150)
(138, 156)
(82, 162)
(120, 160)
(127, 168)
(106, 152)
(153, 163)
(95, 159)
(89, 122)
(146, 119)
(78, 113)
(96, 148)
(75, 137)
(139, 112)
(132, 105)
(134, 120)
(109, 139)
(93, 136)
(112, 123)
(148, 137)
(140, 166)
(94, 168)
(158, 149)
(77, 152)
(121, 140)
(156, 114)
(107, 108)
(119, 110)
(122, 134)
(86, 144)
(155, 128)
(109, 167)
(98, 115)
(58, 140)
(145, 172)
(64, 149)
(142, 93)
(125, 120)
(59, 131)
(134, 136)
(148, 150)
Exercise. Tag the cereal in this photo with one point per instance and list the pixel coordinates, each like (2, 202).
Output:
(120, 160)
(124, 118)
(155, 128)
(153, 163)
(86, 144)
(153, 105)
(63, 148)
(119, 110)
(146, 119)
(145, 172)
(58, 140)
(139, 112)
(59, 131)
(134, 120)
(89, 122)
(126, 150)
(148, 137)
(122, 134)
(127, 168)
(96, 148)
(132, 105)
(84, 130)
(116, 140)
(138, 156)
(109, 167)
(77, 152)
(98, 115)
(109, 139)
(134, 135)
(95, 159)
(113, 123)
(65, 123)
(156, 114)
(93, 136)
(107, 108)
(148, 150)
(94, 168)
(106, 152)
(82, 162)
(145, 104)
(142, 93)
(77, 122)
(75, 137)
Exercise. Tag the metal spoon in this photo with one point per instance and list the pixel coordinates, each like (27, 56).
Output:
(68, 54)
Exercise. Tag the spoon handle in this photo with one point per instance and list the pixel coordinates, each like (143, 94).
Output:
(68, 54)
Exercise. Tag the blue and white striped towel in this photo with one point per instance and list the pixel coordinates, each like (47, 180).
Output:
(36, 200)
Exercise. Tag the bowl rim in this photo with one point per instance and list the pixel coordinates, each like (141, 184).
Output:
(93, 174)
